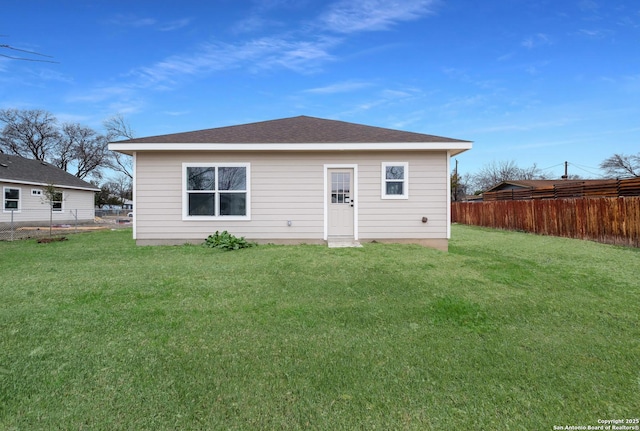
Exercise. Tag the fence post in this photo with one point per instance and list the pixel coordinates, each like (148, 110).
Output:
(11, 225)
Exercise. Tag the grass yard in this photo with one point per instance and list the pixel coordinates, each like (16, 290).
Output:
(506, 331)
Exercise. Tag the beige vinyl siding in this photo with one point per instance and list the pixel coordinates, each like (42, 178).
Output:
(289, 186)
(402, 218)
(36, 208)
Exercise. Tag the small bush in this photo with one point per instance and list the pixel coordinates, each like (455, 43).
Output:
(225, 241)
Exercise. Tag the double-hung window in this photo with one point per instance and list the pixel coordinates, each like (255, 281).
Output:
(395, 180)
(216, 190)
(11, 199)
(56, 201)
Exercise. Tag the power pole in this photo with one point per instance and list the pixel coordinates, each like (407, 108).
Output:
(566, 175)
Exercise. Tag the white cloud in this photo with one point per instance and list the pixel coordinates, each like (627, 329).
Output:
(251, 24)
(588, 6)
(101, 94)
(383, 98)
(304, 49)
(175, 25)
(264, 53)
(350, 16)
(395, 94)
(539, 39)
(133, 21)
(340, 87)
(177, 113)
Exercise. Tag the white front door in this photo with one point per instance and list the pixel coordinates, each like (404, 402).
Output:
(340, 202)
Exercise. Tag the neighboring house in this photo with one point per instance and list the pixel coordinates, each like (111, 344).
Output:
(560, 189)
(293, 180)
(523, 184)
(24, 183)
(542, 184)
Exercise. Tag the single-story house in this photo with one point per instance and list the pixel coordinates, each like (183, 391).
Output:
(293, 180)
(542, 184)
(24, 183)
(522, 184)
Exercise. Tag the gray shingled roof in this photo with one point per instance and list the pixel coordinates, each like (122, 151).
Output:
(20, 170)
(300, 129)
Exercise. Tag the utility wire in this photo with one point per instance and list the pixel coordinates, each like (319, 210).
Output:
(28, 52)
(551, 167)
(582, 168)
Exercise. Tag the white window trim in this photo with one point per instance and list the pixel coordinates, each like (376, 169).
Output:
(383, 180)
(61, 203)
(36, 192)
(17, 210)
(185, 194)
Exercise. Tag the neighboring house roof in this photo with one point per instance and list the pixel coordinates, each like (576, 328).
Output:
(16, 169)
(536, 184)
(295, 133)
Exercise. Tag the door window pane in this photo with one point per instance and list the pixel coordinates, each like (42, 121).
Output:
(340, 187)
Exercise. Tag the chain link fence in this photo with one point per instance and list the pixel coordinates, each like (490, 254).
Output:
(37, 223)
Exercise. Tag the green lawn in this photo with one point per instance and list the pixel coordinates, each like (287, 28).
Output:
(506, 331)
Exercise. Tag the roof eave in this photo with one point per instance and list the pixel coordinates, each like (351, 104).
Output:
(454, 147)
(41, 184)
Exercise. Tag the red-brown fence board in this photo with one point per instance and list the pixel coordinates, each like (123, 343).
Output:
(614, 220)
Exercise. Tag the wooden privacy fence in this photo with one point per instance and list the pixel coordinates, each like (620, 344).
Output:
(571, 189)
(606, 220)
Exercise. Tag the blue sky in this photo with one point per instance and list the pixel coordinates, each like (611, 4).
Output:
(530, 81)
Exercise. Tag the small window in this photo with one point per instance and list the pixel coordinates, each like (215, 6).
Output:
(11, 199)
(217, 190)
(56, 201)
(395, 180)
(36, 192)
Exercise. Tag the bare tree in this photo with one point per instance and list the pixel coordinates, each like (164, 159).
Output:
(36, 134)
(64, 154)
(121, 187)
(622, 166)
(118, 128)
(85, 148)
(497, 172)
(29, 133)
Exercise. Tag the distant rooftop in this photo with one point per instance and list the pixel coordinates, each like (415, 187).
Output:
(21, 170)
